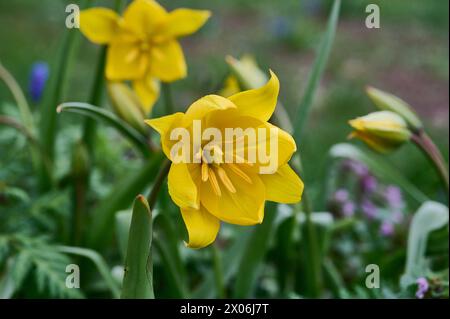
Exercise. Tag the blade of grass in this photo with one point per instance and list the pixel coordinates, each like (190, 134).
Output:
(138, 278)
(100, 231)
(101, 114)
(256, 249)
(317, 71)
(99, 262)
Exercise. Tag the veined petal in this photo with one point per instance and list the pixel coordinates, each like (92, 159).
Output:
(182, 188)
(99, 25)
(119, 65)
(242, 207)
(202, 227)
(183, 22)
(164, 126)
(207, 104)
(167, 61)
(284, 186)
(259, 103)
(147, 89)
(143, 17)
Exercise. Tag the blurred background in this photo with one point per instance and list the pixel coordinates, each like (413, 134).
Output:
(408, 56)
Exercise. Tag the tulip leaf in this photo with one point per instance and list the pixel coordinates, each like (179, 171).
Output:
(98, 261)
(429, 217)
(379, 166)
(318, 68)
(138, 278)
(256, 249)
(123, 221)
(120, 197)
(104, 115)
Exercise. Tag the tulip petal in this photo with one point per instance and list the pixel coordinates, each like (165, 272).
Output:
(200, 108)
(119, 67)
(182, 188)
(258, 103)
(164, 126)
(147, 90)
(183, 22)
(167, 61)
(202, 227)
(99, 25)
(142, 17)
(243, 207)
(284, 186)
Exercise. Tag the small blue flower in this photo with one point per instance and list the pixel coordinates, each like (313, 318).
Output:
(387, 229)
(38, 79)
(422, 287)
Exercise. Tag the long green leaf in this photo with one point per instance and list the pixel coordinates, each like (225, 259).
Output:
(316, 73)
(379, 166)
(429, 217)
(256, 249)
(138, 278)
(109, 118)
(100, 230)
(98, 261)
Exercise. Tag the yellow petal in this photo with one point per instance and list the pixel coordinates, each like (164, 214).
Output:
(243, 207)
(183, 22)
(380, 145)
(202, 227)
(284, 186)
(231, 86)
(143, 17)
(99, 25)
(207, 104)
(147, 90)
(259, 103)
(164, 126)
(167, 61)
(182, 188)
(120, 67)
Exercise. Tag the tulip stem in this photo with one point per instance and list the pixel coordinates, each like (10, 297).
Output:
(429, 148)
(167, 93)
(218, 272)
(152, 197)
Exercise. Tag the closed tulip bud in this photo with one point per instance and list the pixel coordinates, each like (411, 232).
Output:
(388, 102)
(127, 105)
(383, 131)
(249, 75)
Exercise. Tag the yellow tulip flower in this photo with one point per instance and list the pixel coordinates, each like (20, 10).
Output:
(211, 191)
(142, 44)
(383, 131)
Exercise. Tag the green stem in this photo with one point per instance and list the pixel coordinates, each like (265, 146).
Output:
(426, 144)
(167, 93)
(152, 197)
(218, 272)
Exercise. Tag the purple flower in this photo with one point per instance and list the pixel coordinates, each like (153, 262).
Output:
(281, 27)
(348, 209)
(341, 195)
(355, 167)
(369, 184)
(38, 79)
(394, 197)
(422, 287)
(387, 229)
(369, 209)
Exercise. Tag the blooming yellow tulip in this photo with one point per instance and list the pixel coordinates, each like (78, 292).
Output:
(383, 131)
(209, 191)
(142, 44)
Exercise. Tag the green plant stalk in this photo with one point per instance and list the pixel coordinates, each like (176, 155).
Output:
(431, 151)
(138, 277)
(168, 100)
(162, 174)
(218, 272)
(25, 113)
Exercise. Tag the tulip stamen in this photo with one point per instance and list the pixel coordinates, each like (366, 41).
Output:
(240, 173)
(226, 180)
(214, 182)
(205, 174)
